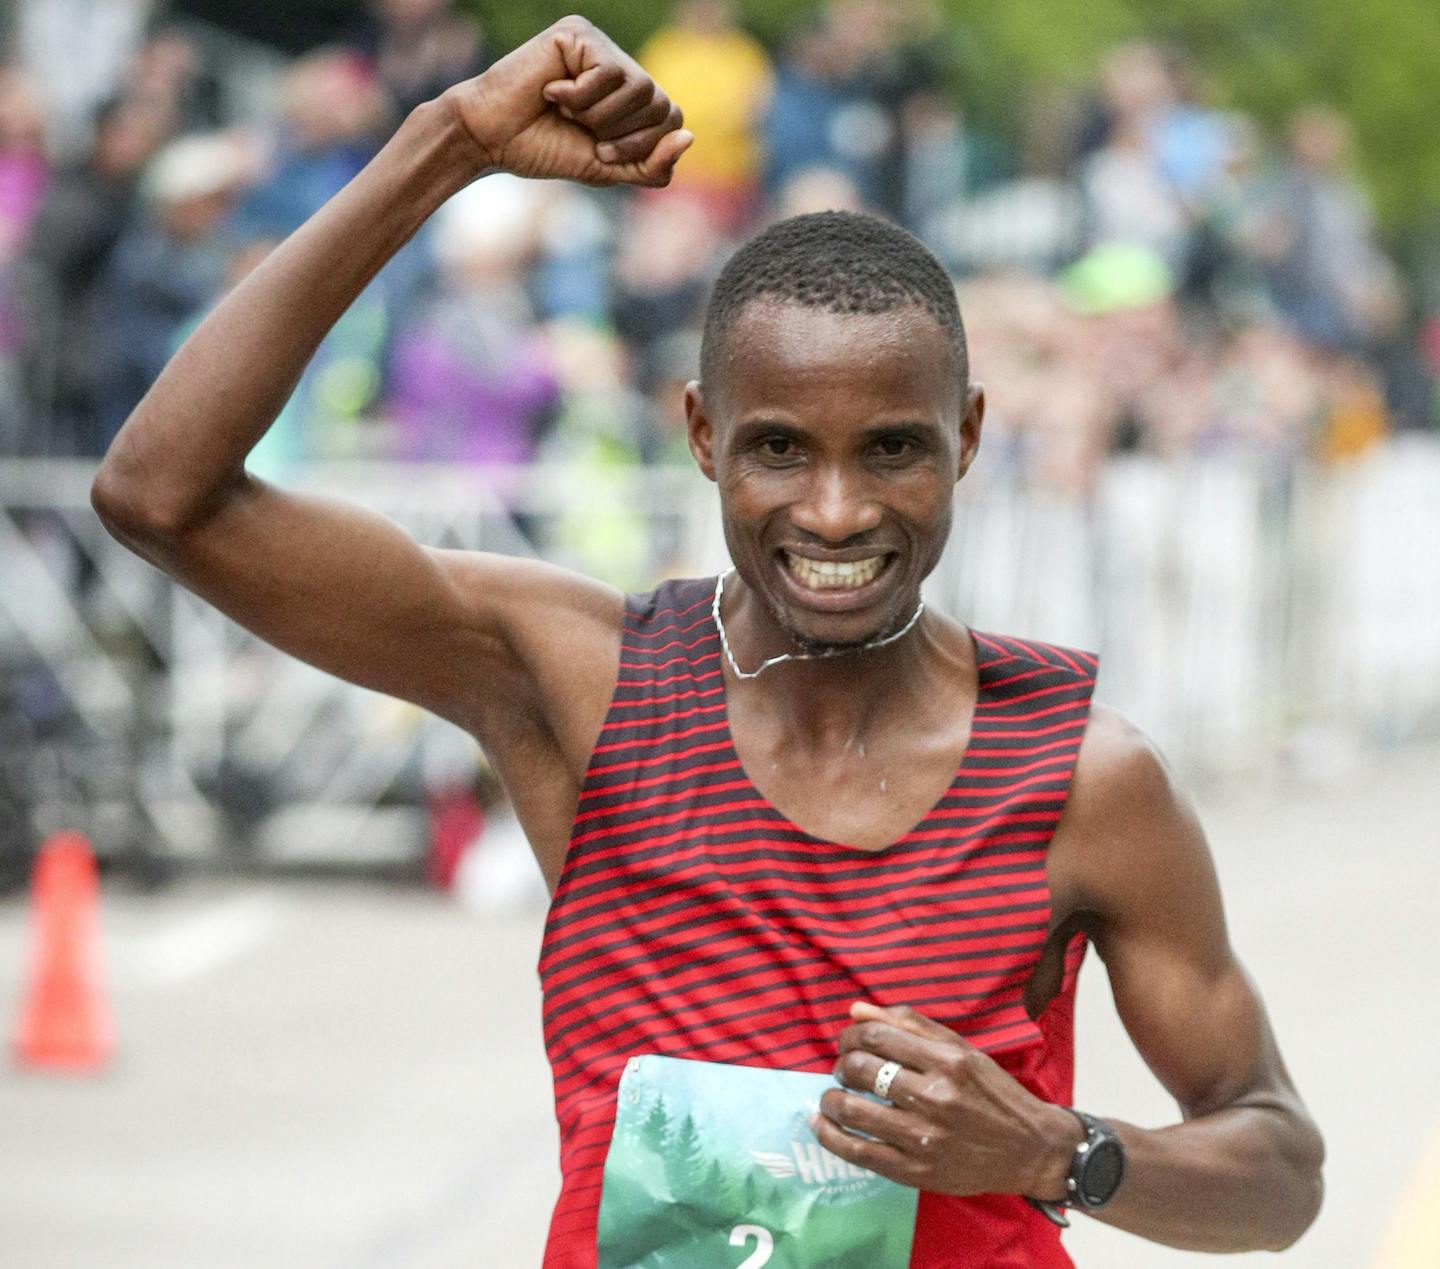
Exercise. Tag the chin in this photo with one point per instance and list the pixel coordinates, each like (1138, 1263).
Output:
(835, 633)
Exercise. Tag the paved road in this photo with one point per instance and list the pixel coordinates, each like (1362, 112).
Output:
(336, 1076)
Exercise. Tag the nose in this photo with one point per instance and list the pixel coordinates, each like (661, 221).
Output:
(836, 506)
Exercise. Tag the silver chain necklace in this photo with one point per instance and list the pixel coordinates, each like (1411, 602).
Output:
(801, 656)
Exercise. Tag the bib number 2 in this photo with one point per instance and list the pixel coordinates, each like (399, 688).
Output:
(764, 1245)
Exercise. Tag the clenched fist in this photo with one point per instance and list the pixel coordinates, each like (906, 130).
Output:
(569, 104)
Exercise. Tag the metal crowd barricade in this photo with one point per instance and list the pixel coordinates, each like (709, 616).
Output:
(1244, 615)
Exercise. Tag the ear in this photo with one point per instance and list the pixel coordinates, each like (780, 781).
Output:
(700, 429)
(970, 428)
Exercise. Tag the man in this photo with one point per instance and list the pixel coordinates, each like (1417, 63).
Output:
(698, 931)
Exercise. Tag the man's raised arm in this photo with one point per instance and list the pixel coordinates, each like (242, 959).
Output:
(337, 586)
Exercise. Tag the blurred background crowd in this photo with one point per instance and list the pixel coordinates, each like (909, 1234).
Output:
(1141, 268)
(1195, 252)
(1197, 248)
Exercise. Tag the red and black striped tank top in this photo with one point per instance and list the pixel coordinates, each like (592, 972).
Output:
(693, 919)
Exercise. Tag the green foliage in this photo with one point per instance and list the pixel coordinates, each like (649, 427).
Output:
(685, 1160)
(718, 1189)
(1375, 61)
(655, 1129)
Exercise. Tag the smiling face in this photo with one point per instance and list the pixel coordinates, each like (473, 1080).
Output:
(836, 440)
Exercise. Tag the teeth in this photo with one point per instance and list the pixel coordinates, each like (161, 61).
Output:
(829, 575)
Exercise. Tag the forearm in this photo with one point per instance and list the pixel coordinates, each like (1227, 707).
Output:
(185, 445)
(1241, 1179)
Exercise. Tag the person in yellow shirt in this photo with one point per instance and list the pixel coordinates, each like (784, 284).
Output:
(721, 77)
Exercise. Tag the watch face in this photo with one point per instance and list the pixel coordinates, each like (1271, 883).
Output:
(1100, 1178)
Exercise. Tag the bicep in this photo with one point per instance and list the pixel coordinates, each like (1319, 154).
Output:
(1187, 1003)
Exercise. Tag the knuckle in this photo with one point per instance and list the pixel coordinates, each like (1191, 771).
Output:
(574, 22)
(940, 1096)
(871, 1034)
(935, 1090)
(957, 1064)
(946, 1104)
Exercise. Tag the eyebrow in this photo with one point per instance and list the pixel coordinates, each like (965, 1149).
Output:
(914, 429)
(768, 427)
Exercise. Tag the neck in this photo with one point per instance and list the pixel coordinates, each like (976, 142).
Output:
(832, 698)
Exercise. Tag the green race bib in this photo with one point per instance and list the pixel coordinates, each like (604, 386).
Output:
(715, 1167)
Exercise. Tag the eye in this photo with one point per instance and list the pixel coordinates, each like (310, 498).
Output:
(895, 447)
(778, 447)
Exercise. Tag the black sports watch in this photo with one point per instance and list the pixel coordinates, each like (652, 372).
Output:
(1095, 1172)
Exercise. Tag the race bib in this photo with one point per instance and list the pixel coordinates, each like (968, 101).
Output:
(715, 1167)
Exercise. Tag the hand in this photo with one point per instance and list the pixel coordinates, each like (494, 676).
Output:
(958, 1123)
(570, 104)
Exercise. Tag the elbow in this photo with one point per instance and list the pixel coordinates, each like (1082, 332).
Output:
(113, 500)
(142, 512)
(1304, 1161)
(125, 508)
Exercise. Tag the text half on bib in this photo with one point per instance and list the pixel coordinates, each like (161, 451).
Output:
(702, 951)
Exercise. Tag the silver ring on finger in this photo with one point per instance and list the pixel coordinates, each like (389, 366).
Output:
(884, 1077)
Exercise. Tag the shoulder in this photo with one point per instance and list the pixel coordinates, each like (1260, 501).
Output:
(1129, 835)
(1121, 783)
(1117, 759)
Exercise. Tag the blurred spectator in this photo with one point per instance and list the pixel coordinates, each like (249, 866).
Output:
(78, 54)
(169, 68)
(893, 49)
(817, 189)
(1330, 280)
(332, 107)
(721, 78)
(572, 275)
(472, 378)
(1192, 141)
(419, 48)
(802, 128)
(1129, 196)
(24, 169)
(945, 161)
(1235, 234)
(170, 262)
(72, 237)
(24, 173)
(664, 263)
(840, 93)
(674, 363)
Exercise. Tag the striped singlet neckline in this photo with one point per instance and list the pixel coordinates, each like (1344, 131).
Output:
(830, 843)
(693, 918)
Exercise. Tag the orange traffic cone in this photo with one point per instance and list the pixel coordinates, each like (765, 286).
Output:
(64, 1023)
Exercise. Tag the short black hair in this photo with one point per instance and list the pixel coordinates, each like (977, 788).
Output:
(840, 261)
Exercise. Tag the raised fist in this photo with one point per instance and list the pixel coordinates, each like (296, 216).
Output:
(569, 104)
